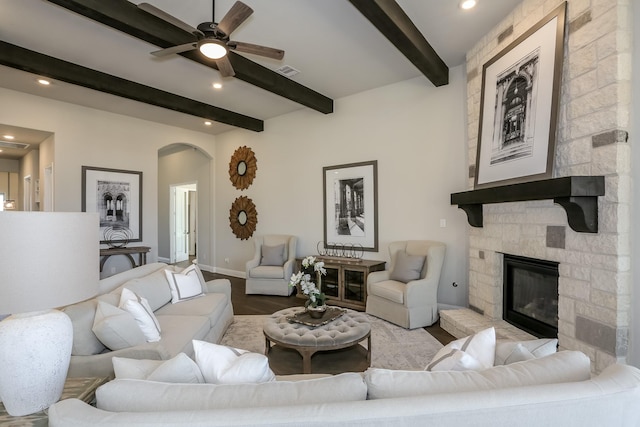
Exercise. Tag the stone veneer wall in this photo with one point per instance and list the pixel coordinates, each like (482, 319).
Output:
(592, 139)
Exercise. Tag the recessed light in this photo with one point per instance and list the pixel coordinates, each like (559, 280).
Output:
(44, 82)
(467, 4)
(8, 136)
(208, 123)
(217, 85)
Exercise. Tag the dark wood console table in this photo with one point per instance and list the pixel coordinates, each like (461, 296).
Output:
(346, 281)
(140, 250)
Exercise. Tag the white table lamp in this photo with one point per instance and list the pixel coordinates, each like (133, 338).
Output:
(48, 260)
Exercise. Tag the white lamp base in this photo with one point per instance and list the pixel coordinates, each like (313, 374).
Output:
(35, 350)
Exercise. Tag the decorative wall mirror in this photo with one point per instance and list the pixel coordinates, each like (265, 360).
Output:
(243, 167)
(243, 217)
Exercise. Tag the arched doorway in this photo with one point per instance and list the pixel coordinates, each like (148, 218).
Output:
(184, 204)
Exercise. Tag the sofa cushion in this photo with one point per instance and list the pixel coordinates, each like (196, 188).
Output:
(480, 346)
(185, 285)
(564, 366)
(517, 351)
(179, 331)
(211, 306)
(82, 314)
(407, 267)
(179, 369)
(139, 307)
(144, 396)
(116, 328)
(220, 364)
(272, 255)
(154, 287)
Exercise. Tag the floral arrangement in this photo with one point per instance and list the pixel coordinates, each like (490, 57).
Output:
(316, 297)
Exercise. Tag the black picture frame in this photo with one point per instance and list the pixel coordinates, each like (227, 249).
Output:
(116, 195)
(519, 106)
(351, 206)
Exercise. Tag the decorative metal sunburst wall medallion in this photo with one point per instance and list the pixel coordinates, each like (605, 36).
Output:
(243, 217)
(243, 167)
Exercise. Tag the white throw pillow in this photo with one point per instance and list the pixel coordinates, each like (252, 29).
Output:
(179, 369)
(116, 328)
(134, 369)
(220, 364)
(479, 353)
(185, 285)
(139, 308)
(516, 351)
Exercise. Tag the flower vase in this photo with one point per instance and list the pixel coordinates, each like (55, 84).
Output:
(317, 312)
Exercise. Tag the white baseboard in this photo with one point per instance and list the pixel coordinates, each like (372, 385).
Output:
(232, 273)
(165, 260)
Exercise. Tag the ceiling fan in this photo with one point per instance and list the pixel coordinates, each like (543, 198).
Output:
(212, 39)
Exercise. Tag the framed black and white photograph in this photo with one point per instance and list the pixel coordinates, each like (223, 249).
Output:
(351, 205)
(117, 196)
(519, 106)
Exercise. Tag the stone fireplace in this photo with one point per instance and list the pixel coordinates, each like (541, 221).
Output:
(594, 279)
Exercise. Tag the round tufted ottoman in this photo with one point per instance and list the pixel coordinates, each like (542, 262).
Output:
(346, 331)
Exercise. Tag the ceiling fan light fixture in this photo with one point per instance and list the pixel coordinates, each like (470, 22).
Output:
(214, 49)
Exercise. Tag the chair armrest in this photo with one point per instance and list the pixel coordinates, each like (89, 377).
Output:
(220, 286)
(378, 276)
(288, 268)
(417, 292)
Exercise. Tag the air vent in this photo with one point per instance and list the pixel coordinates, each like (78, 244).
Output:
(16, 145)
(287, 71)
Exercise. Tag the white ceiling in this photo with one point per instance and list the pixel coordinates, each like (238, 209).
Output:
(338, 51)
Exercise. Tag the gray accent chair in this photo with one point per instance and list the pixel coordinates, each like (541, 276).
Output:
(271, 279)
(413, 304)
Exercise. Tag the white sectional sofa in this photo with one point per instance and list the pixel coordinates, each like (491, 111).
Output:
(205, 318)
(555, 390)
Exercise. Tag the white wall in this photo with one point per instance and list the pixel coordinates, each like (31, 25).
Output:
(89, 137)
(634, 348)
(415, 131)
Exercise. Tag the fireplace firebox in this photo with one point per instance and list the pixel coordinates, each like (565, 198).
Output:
(530, 295)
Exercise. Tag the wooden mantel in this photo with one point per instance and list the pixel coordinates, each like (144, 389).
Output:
(578, 195)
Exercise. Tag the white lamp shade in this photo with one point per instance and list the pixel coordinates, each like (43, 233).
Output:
(49, 259)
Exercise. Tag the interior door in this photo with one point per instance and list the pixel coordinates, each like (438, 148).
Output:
(181, 210)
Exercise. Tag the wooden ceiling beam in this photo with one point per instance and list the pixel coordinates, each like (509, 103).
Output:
(128, 18)
(37, 63)
(388, 17)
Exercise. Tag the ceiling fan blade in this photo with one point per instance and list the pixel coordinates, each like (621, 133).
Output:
(169, 18)
(238, 13)
(225, 67)
(255, 49)
(174, 49)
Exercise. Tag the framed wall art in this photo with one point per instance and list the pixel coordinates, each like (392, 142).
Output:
(117, 196)
(351, 205)
(519, 106)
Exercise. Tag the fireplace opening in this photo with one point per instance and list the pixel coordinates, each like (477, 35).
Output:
(530, 295)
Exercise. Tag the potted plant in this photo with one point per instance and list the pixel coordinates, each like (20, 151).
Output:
(316, 299)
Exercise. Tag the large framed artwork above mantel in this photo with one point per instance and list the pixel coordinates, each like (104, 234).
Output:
(351, 206)
(117, 196)
(519, 106)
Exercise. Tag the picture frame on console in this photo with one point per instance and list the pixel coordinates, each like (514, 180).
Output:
(351, 205)
(519, 106)
(117, 196)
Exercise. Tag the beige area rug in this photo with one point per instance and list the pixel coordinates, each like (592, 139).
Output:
(393, 347)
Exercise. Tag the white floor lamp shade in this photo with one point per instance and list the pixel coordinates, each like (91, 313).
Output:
(51, 260)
